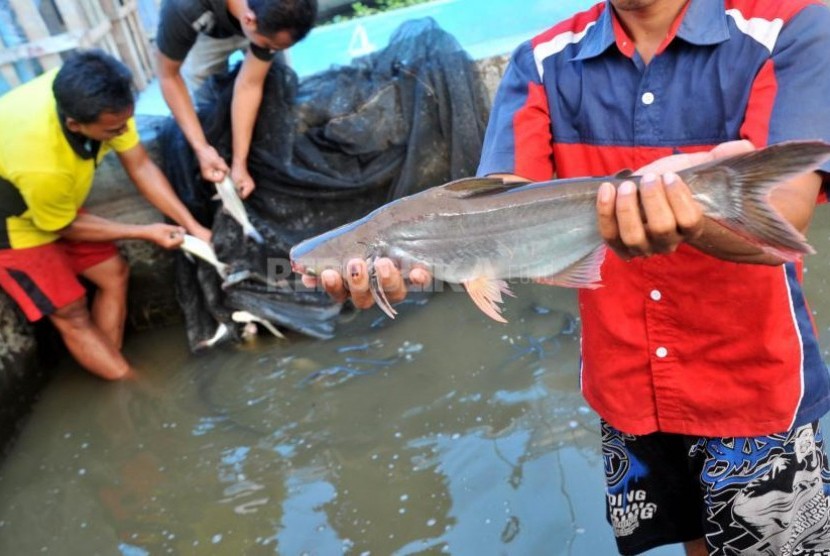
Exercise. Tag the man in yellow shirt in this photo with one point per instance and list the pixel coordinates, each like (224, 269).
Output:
(54, 131)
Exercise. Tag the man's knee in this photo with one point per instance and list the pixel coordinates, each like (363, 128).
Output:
(112, 274)
(120, 272)
(74, 316)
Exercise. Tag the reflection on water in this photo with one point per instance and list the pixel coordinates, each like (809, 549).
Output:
(440, 432)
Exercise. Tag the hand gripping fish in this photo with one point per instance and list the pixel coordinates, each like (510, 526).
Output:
(481, 232)
(233, 205)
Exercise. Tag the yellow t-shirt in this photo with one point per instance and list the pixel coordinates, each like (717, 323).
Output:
(37, 160)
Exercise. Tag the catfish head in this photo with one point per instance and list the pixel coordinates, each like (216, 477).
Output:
(333, 249)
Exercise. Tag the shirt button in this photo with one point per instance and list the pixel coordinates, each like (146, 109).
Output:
(647, 98)
(661, 352)
(655, 295)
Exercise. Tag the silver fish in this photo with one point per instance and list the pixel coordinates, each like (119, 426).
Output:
(233, 205)
(222, 333)
(199, 248)
(481, 232)
(247, 318)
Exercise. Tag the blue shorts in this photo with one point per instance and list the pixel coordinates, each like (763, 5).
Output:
(746, 495)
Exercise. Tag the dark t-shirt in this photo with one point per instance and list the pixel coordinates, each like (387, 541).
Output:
(181, 21)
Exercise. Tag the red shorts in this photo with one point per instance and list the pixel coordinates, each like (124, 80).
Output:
(43, 279)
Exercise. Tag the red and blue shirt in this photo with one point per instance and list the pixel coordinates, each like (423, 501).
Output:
(684, 342)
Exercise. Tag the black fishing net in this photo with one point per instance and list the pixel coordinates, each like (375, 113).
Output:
(325, 151)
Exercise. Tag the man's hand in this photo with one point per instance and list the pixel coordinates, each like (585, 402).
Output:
(212, 166)
(243, 180)
(659, 214)
(356, 282)
(164, 235)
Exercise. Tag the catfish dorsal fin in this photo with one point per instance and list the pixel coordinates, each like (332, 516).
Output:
(474, 187)
(624, 173)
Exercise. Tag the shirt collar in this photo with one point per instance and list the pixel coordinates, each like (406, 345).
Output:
(703, 23)
(84, 147)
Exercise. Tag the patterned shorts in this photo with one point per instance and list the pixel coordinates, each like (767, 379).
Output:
(765, 495)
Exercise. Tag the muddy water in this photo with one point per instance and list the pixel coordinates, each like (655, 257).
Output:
(440, 432)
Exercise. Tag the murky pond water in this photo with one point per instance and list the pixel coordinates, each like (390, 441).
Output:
(439, 432)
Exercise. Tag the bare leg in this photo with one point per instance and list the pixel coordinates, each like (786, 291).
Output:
(109, 307)
(88, 345)
(696, 547)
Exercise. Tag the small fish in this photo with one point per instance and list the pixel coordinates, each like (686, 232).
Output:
(480, 232)
(244, 275)
(246, 317)
(222, 333)
(233, 205)
(192, 245)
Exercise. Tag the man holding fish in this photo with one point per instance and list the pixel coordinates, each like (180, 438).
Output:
(55, 131)
(699, 351)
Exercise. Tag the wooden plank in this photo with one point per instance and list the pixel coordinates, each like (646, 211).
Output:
(94, 15)
(126, 48)
(35, 29)
(8, 71)
(40, 49)
(130, 39)
(73, 17)
(10, 76)
(142, 41)
(55, 44)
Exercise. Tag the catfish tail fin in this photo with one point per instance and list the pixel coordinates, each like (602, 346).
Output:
(747, 180)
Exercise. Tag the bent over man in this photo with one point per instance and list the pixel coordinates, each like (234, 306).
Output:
(205, 32)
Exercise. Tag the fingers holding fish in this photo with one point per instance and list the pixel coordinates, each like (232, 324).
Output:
(620, 219)
(357, 283)
(630, 220)
(243, 180)
(663, 229)
(368, 282)
(164, 235)
(390, 280)
(332, 283)
(419, 277)
(688, 214)
(652, 218)
(212, 166)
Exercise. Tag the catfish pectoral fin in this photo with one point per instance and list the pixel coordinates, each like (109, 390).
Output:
(377, 291)
(486, 294)
(584, 273)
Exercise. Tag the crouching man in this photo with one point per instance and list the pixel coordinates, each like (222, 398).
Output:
(54, 131)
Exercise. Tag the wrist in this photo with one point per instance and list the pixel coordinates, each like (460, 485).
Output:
(239, 164)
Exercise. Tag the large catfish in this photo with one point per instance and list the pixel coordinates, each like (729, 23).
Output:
(481, 232)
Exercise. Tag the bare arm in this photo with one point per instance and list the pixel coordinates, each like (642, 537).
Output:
(247, 98)
(153, 185)
(177, 97)
(88, 227)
